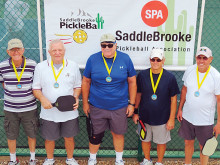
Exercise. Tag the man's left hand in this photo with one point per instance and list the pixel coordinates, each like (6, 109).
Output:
(170, 124)
(217, 129)
(76, 105)
(130, 110)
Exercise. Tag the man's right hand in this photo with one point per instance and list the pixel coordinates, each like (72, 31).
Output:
(46, 104)
(135, 118)
(86, 108)
(180, 115)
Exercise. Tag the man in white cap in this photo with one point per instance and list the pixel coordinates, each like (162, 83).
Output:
(196, 110)
(16, 76)
(109, 78)
(156, 98)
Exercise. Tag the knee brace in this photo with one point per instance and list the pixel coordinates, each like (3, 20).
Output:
(96, 138)
(93, 138)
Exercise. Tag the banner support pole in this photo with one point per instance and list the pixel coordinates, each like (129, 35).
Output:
(201, 24)
(39, 30)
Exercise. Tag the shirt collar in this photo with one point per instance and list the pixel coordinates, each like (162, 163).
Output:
(22, 64)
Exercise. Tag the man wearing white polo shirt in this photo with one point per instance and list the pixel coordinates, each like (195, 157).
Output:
(199, 95)
(56, 77)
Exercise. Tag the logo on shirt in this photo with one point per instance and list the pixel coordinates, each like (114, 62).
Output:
(121, 67)
(67, 75)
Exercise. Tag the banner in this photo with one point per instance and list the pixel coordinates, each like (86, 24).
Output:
(139, 26)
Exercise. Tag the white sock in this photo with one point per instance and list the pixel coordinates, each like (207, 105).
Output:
(50, 159)
(13, 157)
(32, 156)
(93, 156)
(118, 156)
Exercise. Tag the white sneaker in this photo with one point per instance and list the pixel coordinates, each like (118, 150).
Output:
(157, 163)
(146, 162)
(32, 162)
(120, 162)
(14, 163)
(92, 161)
(48, 162)
(71, 162)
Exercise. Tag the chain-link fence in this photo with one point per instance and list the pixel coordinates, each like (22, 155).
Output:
(23, 15)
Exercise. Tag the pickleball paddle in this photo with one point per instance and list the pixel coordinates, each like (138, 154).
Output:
(142, 130)
(64, 103)
(210, 146)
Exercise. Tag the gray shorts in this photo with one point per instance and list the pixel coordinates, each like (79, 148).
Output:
(115, 120)
(189, 131)
(53, 131)
(29, 121)
(159, 134)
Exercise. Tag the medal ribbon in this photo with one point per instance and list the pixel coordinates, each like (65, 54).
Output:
(56, 76)
(152, 80)
(106, 65)
(197, 73)
(15, 70)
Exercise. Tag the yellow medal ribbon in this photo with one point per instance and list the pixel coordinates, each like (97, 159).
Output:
(197, 73)
(15, 70)
(152, 80)
(56, 76)
(106, 65)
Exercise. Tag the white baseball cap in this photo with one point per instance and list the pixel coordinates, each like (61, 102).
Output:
(204, 51)
(107, 38)
(159, 53)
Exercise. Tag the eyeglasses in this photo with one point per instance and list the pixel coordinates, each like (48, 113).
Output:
(107, 45)
(200, 57)
(15, 50)
(153, 60)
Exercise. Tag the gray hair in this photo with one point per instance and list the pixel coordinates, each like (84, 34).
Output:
(54, 41)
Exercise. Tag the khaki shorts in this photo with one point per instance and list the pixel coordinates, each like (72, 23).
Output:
(159, 134)
(29, 121)
(114, 120)
(53, 131)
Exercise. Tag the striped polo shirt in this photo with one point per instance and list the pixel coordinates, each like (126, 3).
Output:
(18, 100)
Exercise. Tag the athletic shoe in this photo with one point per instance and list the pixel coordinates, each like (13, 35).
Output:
(71, 162)
(14, 163)
(146, 162)
(157, 163)
(120, 162)
(92, 161)
(48, 162)
(32, 162)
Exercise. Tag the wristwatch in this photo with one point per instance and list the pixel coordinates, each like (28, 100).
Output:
(131, 104)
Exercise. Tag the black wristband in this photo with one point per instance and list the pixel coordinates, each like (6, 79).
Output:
(131, 104)
(135, 110)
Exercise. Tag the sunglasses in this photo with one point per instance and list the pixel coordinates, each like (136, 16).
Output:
(153, 60)
(200, 57)
(107, 45)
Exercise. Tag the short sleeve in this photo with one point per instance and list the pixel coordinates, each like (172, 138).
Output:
(37, 78)
(174, 89)
(139, 83)
(88, 68)
(78, 79)
(131, 70)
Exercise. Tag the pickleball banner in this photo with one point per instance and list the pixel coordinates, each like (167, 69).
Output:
(139, 26)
